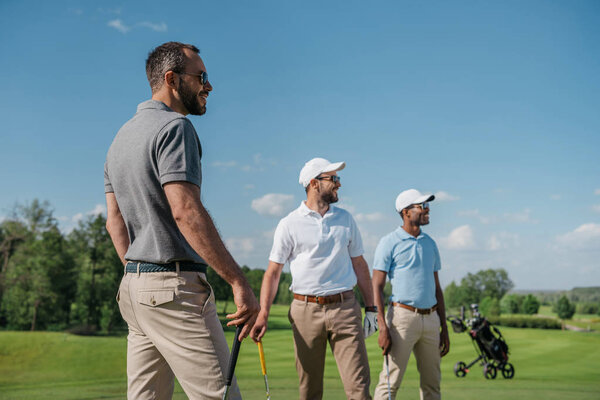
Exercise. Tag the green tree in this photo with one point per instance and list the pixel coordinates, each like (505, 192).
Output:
(284, 295)
(456, 296)
(254, 277)
(221, 289)
(511, 303)
(564, 308)
(530, 305)
(99, 271)
(493, 283)
(489, 306)
(38, 277)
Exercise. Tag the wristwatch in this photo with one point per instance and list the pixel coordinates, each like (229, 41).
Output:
(371, 308)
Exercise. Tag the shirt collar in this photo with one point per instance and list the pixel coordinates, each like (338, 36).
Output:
(153, 104)
(406, 236)
(304, 210)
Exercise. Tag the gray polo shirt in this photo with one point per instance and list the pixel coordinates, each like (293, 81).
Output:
(157, 146)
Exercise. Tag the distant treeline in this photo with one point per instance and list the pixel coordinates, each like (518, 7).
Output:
(50, 280)
(55, 281)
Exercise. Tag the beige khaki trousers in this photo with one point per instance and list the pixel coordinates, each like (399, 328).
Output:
(173, 331)
(412, 332)
(339, 324)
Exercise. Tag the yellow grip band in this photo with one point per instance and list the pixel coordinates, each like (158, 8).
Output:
(261, 354)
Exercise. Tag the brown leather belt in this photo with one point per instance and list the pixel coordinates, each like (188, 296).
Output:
(416, 310)
(334, 298)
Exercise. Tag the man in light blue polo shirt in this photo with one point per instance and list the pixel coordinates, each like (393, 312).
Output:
(412, 261)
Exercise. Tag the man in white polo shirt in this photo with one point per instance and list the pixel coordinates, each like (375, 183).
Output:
(324, 248)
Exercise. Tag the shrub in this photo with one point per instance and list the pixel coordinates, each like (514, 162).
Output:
(530, 305)
(564, 308)
(526, 322)
(588, 308)
(511, 303)
(489, 306)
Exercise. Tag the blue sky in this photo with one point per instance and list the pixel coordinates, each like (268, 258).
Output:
(493, 106)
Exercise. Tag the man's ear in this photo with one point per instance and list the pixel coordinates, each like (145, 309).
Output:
(171, 80)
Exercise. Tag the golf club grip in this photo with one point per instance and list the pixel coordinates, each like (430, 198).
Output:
(235, 350)
(261, 354)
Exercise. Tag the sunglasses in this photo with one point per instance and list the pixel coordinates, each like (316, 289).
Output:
(203, 76)
(424, 206)
(332, 178)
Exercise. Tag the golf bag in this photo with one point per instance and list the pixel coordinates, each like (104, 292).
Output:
(489, 344)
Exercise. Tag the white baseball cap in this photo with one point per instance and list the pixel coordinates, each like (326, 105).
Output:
(316, 167)
(410, 197)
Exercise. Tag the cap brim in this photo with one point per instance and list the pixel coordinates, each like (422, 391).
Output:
(338, 166)
(424, 198)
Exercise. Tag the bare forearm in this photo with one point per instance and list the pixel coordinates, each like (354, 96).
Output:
(115, 225)
(119, 236)
(441, 307)
(198, 228)
(269, 286)
(361, 269)
(379, 278)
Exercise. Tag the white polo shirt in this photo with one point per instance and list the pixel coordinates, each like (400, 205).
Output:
(318, 250)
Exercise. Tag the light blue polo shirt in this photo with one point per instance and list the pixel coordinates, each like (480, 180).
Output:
(410, 263)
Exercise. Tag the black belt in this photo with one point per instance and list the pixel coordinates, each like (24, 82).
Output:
(170, 267)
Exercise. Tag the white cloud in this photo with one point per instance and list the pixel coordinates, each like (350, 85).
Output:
(273, 204)
(445, 196)
(224, 164)
(585, 237)
(521, 217)
(476, 214)
(596, 208)
(597, 192)
(160, 27)
(119, 25)
(99, 209)
(460, 238)
(373, 217)
(242, 245)
(258, 164)
(502, 241)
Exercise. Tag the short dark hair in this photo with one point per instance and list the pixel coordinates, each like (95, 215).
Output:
(166, 57)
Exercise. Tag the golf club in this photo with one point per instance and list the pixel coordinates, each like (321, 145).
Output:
(387, 369)
(235, 350)
(263, 366)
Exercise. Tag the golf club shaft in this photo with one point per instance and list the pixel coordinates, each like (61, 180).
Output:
(263, 366)
(235, 350)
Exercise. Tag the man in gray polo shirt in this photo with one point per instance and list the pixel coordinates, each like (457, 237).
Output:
(166, 238)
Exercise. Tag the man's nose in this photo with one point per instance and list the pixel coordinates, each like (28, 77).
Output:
(208, 87)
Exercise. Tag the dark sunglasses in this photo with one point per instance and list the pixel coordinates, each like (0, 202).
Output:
(332, 178)
(203, 76)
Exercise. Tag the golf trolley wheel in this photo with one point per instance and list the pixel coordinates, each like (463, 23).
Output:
(490, 371)
(508, 371)
(460, 369)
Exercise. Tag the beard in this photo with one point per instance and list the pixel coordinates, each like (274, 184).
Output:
(190, 100)
(329, 197)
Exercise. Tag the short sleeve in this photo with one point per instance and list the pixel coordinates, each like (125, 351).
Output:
(178, 153)
(282, 244)
(355, 247)
(383, 256)
(107, 185)
(437, 263)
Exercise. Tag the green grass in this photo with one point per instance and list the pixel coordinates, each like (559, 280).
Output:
(548, 364)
